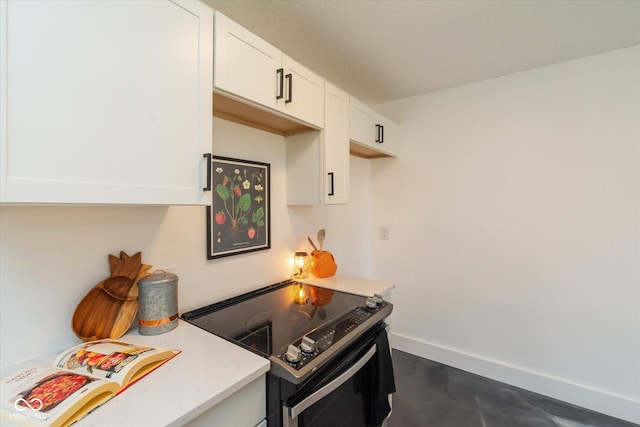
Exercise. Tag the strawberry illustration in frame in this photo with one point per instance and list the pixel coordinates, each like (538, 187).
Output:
(238, 221)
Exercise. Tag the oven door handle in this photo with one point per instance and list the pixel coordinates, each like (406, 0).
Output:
(329, 388)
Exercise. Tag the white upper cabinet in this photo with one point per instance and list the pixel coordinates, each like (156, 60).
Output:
(387, 141)
(303, 93)
(105, 102)
(363, 122)
(336, 146)
(372, 134)
(244, 64)
(318, 162)
(249, 68)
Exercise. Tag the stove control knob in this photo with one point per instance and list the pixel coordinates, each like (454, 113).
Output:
(378, 299)
(308, 345)
(293, 354)
(371, 303)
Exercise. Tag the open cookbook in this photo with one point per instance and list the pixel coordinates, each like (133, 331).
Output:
(78, 381)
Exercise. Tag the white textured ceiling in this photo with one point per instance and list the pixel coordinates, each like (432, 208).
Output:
(385, 50)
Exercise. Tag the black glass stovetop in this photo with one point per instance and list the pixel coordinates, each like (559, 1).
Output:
(298, 327)
(268, 320)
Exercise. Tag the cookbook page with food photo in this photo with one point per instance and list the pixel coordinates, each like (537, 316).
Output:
(118, 361)
(80, 379)
(52, 397)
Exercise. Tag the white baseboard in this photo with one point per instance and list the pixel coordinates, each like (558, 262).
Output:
(597, 400)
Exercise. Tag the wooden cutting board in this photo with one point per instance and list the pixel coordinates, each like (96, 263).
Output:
(110, 307)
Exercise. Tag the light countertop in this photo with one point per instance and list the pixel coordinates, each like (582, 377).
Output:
(208, 370)
(353, 285)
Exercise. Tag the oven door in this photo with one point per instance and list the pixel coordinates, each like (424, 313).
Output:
(352, 393)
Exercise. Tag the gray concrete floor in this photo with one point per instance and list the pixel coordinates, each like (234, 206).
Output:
(430, 394)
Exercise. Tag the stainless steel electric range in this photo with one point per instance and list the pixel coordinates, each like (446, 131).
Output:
(329, 353)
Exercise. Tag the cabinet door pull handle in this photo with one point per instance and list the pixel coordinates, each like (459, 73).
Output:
(331, 182)
(209, 166)
(380, 133)
(289, 78)
(280, 74)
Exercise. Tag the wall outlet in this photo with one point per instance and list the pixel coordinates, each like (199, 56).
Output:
(384, 232)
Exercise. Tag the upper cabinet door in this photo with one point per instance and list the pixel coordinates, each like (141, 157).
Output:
(245, 65)
(318, 162)
(105, 102)
(373, 134)
(336, 146)
(303, 93)
(363, 123)
(387, 136)
(249, 68)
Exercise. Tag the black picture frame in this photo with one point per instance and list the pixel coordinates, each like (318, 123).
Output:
(239, 218)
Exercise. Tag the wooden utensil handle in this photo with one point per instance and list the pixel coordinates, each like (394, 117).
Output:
(311, 241)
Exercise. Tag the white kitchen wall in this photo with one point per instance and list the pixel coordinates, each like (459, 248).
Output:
(514, 223)
(52, 256)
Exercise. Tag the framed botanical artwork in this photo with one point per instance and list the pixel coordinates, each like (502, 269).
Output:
(238, 220)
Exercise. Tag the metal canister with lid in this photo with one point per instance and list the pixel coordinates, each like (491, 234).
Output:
(158, 303)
